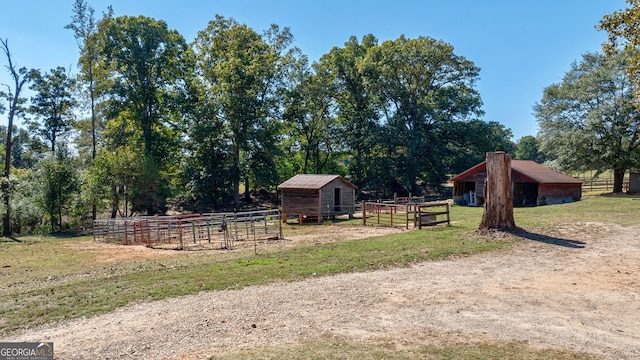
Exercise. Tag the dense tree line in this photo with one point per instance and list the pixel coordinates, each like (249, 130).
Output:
(150, 117)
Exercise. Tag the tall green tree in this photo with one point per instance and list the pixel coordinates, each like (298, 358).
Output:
(149, 66)
(623, 30)
(52, 105)
(527, 148)
(588, 120)
(424, 88)
(59, 180)
(26, 150)
(310, 111)
(242, 74)
(205, 172)
(112, 177)
(357, 107)
(19, 76)
(84, 26)
(468, 142)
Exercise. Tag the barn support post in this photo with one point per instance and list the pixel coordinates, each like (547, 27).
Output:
(498, 207)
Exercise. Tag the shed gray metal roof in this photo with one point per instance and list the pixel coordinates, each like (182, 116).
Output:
(312, 181)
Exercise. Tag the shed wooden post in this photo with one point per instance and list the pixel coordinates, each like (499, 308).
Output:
(498, 207)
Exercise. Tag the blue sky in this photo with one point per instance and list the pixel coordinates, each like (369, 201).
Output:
(521, 46)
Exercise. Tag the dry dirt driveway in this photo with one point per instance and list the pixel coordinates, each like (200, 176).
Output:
(581, 293)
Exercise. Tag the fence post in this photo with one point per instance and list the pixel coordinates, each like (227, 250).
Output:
(280, 225)
(179, 223)
(448, 218)
(406, 212)
(364, 212)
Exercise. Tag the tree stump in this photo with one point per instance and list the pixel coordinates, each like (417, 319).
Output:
(498, 207)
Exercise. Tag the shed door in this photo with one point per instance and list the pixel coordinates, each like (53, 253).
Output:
(336, 199)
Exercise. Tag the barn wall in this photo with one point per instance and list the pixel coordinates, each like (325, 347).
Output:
(559, 193)
(347, 198)
(297, 201)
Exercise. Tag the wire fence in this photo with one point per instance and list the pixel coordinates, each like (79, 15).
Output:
(190, 232)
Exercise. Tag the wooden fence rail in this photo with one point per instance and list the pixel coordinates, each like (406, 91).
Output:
(404, 214)
(602, 185)
(427, 216)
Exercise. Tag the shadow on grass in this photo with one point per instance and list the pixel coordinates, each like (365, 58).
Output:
(552, 240)
(10, 239)
(65, 234)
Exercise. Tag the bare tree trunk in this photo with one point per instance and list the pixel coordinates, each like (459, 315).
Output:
(94, 201)
(235, 176)
(247, 191)
(19, 77)
(498, 207)
(6, 188)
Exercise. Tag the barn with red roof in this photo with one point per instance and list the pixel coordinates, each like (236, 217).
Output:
(531, 184)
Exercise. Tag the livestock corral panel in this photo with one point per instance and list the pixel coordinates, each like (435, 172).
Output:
(188, 232)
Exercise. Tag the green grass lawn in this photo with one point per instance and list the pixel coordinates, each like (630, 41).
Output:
(51, 279)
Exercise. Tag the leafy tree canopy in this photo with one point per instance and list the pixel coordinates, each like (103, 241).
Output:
(588, 121)
(528, 149)
(623, 29)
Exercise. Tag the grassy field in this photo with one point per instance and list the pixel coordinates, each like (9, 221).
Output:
(52, 279)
